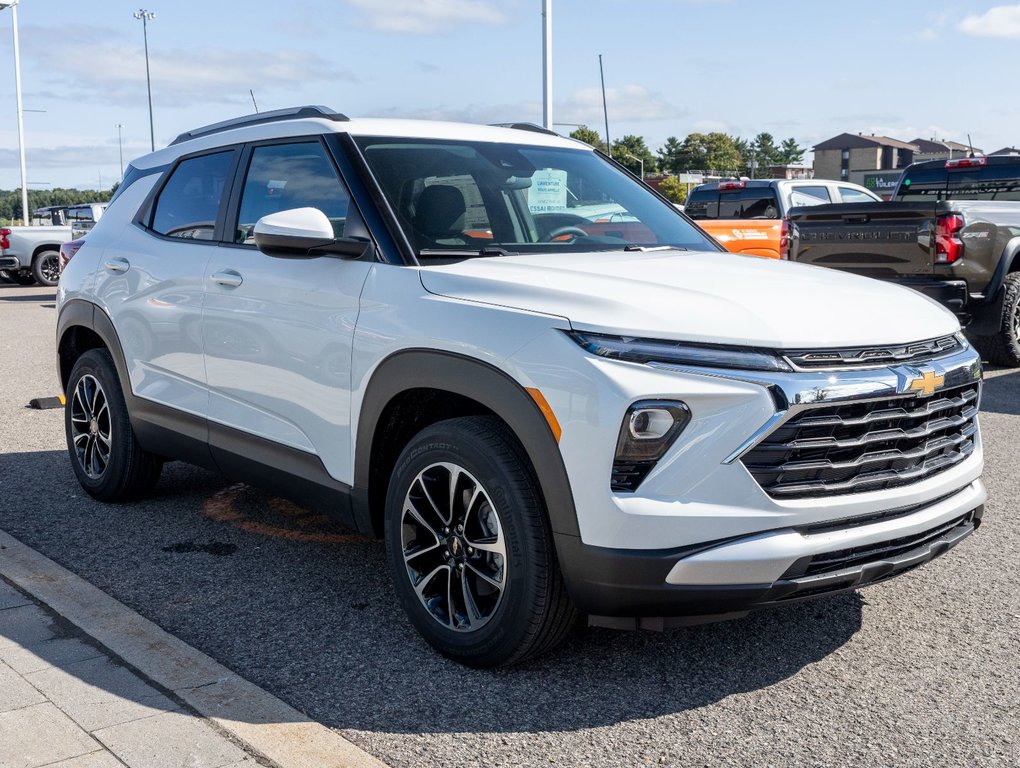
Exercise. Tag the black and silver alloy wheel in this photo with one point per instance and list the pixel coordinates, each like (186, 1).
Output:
(470, 546)
(90, 426)
(105, 454)
(453, 547)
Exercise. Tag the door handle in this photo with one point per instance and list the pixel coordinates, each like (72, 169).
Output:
(227, 278)
(118, 265)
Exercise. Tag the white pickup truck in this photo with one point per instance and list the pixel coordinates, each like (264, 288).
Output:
(32, 254)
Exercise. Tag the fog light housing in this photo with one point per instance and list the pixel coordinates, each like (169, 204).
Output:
(649, 428)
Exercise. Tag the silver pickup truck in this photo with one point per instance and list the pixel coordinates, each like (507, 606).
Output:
(32, 254)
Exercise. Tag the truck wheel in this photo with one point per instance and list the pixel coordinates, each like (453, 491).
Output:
(470, 547)
(1003, 347)
(22, 278)
(106, 457)
(46, 268)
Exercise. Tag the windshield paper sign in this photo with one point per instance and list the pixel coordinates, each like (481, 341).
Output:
(548, 191)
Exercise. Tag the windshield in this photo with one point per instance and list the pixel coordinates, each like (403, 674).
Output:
(461, 199)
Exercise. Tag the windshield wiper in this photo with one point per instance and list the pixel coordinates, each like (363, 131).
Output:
(463, 253)
(647, 248)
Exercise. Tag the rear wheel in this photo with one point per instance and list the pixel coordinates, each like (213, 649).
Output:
(46, 268)
(106, 457)
(470, 547)
(1003, 347)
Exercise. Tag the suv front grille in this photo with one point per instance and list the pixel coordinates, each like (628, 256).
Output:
(855, 447)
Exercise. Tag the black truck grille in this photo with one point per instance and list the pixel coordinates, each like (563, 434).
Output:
(857, 447)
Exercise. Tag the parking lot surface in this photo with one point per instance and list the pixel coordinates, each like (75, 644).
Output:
(921, 670)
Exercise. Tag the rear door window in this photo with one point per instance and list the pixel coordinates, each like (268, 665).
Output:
(851, 195)
(813, 195)
(189, 203)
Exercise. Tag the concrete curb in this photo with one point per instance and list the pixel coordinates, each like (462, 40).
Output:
(261, 721)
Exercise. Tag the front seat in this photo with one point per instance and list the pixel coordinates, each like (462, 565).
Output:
(439, 215)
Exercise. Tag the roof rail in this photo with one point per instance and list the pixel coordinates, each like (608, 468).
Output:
(525, 127)
(290, 113)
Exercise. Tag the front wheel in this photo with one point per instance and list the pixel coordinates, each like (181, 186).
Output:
(470, 547)
(106, 457)
(1003, 347)
(46, 268)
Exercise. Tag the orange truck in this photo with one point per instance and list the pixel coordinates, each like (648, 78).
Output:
(749, 216)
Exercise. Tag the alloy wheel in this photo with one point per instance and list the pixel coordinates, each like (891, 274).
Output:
(50, 268)
(453, 547)
(91, 426)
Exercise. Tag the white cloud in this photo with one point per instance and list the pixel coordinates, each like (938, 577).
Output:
(1000, 21)
(428, 16)
(626, 103)
(105, 67)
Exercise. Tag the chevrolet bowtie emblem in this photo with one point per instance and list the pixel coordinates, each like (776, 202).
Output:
(927, 383)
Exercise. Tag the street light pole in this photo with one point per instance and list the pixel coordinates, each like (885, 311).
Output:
(605, 109)
(642, 162)
(146, 17)
(120, 147)
(13, 5)
(547, 107)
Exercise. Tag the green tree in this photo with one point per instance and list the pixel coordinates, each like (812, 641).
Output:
(588, 136)
(706, 152)
(671, 155)
(628, 150)
(764, 153)
(673, 189)
(790, 152)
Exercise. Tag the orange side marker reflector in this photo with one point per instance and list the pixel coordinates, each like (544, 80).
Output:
(547, 411)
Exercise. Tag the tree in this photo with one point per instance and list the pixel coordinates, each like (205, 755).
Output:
(630, 149)
(764, 153)
(588, 136)
(671, 155)
(790, 152)
(704, 152)
(673, 189)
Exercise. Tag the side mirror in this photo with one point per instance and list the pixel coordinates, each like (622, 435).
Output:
(304, 232)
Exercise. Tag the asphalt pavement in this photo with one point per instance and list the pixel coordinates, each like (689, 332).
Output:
(921, 670)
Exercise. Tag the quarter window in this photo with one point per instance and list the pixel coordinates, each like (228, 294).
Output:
(286, 176)
(851, 195)
(189, 203)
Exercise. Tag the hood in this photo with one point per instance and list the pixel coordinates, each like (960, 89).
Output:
(717, 298)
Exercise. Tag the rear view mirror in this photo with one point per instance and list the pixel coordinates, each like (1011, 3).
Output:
(304, 232)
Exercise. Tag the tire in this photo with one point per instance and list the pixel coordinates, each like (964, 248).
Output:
(22, 278)
(1003, 347)
(518, 604)
(104, 453)
(46, 268)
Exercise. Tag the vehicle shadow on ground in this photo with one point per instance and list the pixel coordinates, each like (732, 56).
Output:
(28, 297)
(1001, 393)
(307, 611)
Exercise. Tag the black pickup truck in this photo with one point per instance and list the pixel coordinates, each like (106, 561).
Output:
(952, 232)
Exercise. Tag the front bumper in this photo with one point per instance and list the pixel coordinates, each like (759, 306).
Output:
(717, 580)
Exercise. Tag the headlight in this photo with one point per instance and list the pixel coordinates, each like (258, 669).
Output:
(648, 430)
(679, 352)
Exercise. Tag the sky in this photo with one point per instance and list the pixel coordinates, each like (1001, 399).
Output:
(809, 69)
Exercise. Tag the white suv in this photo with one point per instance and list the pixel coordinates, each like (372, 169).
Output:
(545, 412)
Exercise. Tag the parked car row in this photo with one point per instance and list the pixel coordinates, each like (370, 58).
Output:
(31, 255)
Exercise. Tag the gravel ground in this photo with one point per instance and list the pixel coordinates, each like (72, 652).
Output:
(922, 670)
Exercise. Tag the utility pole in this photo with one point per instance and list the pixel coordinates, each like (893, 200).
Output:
(547, 106)
(146, 17)
(26, 219)
(605, 110)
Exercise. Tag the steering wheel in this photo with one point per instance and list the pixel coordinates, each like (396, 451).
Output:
(560, 231)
